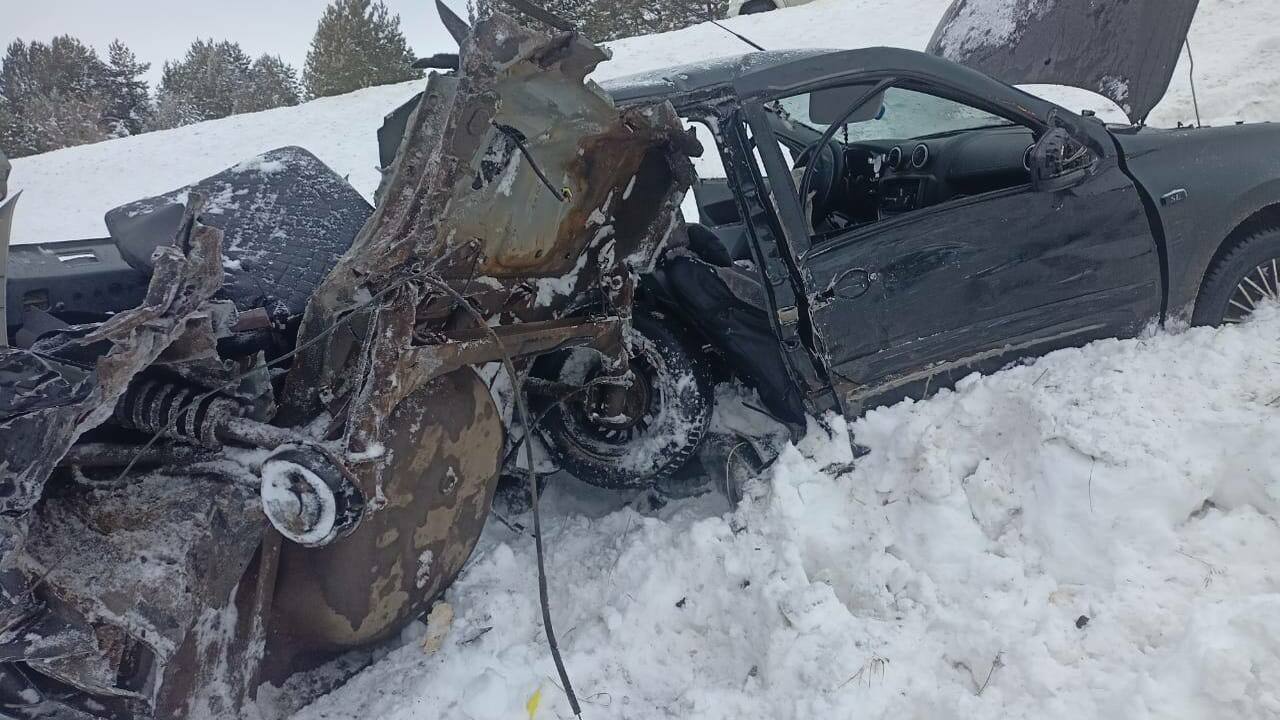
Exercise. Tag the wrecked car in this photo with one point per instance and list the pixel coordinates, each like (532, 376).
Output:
(248, 432)
(893, 220)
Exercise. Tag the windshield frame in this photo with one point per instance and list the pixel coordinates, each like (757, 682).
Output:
(980, 119)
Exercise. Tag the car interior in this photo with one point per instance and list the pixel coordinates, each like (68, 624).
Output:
(902, 150)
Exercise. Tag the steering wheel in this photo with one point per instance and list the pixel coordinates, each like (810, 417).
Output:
(822, 179)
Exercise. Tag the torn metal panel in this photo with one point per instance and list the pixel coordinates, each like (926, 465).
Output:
(519, 186)
(466, 199)
(147, 582)
(38, 431)
(518, 183)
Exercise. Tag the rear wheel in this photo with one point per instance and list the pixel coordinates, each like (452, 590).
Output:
(1241, 281)
(667, 409)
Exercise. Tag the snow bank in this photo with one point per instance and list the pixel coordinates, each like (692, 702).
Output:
(68, 191)
(1091, 535)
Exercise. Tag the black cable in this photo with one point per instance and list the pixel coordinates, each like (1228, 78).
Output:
(743, 38)
(523, 410)
(518, 138)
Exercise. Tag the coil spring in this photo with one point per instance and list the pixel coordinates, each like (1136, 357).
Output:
(172, 411)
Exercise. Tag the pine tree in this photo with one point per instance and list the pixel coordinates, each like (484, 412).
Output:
(357, 44)
(171, 111)
(10, 129)
(55, 95)
(128, 99)
(204, 85)
(272, 83)
(59, 121)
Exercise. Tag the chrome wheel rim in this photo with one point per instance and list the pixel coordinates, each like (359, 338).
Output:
(1260, 285)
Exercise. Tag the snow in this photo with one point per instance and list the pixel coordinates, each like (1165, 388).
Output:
(67, 192)
(1089, 535)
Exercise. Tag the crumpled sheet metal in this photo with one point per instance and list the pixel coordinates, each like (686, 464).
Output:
(137, 594)
(466, 204)
(32, 441)
(149, 592)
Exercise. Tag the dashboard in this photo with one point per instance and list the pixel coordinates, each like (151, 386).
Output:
(890, 177)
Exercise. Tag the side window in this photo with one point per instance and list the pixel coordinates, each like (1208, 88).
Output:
(899, 151)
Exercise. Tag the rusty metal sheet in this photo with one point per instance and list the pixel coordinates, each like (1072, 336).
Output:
(518, 182)
(152, 573)
(441, 459)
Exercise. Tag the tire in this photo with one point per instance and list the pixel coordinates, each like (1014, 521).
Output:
(1239, 279)
(673, 386)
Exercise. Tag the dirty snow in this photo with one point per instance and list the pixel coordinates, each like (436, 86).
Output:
(67, 192)
(1088, 536)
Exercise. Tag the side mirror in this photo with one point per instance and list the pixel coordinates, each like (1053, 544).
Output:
(1058, 161)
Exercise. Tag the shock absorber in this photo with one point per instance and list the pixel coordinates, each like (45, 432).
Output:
(176, 411)
(306, 493)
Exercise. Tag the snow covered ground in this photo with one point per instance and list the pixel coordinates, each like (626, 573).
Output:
(1092, 535)
(66, 193)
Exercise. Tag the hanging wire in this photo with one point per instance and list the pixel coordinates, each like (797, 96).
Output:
(532, 475)
(1191, 75)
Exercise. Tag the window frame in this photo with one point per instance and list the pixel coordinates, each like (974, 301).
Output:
(778, 175)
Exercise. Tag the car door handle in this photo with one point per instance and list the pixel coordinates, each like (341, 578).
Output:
(852, 284)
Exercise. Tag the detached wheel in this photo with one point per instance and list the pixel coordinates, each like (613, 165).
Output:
(667, 410)
(1241, 281)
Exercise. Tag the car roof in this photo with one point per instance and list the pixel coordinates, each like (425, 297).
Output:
(779, 71)
(776, 70)
(693, 78)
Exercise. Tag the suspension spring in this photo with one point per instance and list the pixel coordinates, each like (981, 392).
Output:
(176, 411)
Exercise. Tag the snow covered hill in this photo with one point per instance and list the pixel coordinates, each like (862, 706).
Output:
(1089, 536)
(66, 193)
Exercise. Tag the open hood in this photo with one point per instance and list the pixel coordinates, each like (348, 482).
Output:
(1124, 50)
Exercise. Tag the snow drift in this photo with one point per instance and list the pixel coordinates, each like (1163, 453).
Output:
(1089, 535)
